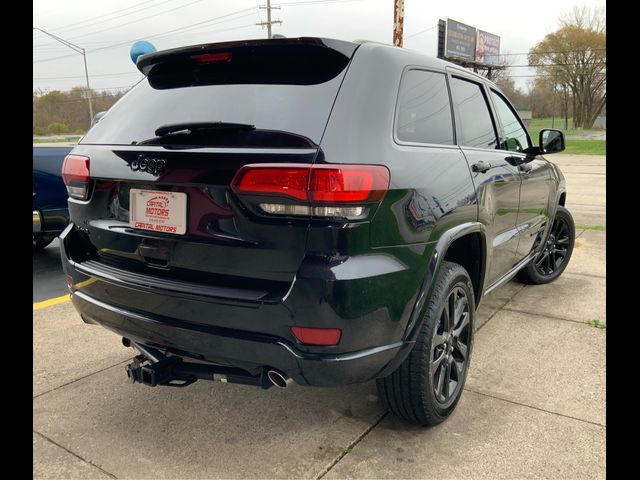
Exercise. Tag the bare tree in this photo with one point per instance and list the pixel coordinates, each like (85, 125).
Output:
(575, 55)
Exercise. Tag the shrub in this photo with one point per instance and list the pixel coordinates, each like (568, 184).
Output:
(57, 128)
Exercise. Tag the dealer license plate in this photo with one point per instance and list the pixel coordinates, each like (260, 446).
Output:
(158, 211)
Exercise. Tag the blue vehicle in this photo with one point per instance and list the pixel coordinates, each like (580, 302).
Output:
(50, 210)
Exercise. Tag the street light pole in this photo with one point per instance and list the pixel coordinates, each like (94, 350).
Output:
(86, 76)
(80, 50)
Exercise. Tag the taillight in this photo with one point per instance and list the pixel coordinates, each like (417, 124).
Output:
(324, 188)
(317, 336)
(282, 181)
(348, 183)
(76, 176)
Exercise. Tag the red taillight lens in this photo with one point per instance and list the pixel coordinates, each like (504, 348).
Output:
(285, 181)
(76, 176)
(212, 57)
(315, 183)
(317, 336)
(348, 183)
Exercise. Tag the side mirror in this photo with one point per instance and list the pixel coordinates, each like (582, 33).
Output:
(551, 141)
(97, 117)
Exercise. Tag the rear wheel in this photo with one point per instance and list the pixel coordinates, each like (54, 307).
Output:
(41, 240)
(425, 389)
(555, 254)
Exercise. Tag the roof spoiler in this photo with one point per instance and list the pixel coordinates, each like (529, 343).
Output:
(146, 62)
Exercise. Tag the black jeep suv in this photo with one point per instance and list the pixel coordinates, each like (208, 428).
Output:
(309, 210)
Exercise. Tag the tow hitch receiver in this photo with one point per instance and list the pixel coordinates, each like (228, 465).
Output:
(152, 368)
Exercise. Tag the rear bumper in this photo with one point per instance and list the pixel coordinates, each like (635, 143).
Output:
(251, 335)
(250, 351)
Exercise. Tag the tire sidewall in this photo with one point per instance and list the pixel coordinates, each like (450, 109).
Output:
(455, 276)
(533, 272)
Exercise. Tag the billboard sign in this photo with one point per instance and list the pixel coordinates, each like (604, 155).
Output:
(460, 40)
(487, 48)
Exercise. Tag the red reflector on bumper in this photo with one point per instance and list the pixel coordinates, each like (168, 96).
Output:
(317, 336)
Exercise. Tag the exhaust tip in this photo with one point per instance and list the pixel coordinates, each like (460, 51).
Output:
(278, 379)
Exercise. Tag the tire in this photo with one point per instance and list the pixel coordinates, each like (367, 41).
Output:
(554, 257)
(410, 391)
(41, 240)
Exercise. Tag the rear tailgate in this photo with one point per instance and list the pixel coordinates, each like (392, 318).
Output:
(269, 102)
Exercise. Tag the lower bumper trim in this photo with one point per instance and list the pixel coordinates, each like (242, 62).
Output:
(235, 348)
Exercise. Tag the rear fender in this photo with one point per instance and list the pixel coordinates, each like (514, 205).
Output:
(426, 289)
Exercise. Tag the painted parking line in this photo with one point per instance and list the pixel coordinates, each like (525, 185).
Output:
(63, 298)
(51, 301)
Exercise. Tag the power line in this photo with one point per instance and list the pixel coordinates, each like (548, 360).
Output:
(194, 27)
(556, 64)
(94, 75)
(101, 18)
(169, 32)
(137, 20)
(314, 2)
(420, 32)
(545, 75)
(551, 52)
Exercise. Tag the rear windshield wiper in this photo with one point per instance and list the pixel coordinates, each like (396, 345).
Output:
(193, 126)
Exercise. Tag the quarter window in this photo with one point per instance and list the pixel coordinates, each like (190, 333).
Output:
(424, 110)
(476, 126)
(515, 136)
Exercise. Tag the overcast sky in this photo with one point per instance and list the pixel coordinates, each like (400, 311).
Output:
(107, 29)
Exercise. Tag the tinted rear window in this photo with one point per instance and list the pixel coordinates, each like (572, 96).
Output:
(424, 110)
(288, 114)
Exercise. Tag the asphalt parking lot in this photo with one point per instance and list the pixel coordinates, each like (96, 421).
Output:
(534, 405)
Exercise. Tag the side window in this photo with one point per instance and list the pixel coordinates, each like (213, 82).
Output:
(515, 136)
(476, 126)
(424, 110)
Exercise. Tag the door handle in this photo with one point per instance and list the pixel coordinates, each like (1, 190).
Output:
(481, 167)
(525, 167)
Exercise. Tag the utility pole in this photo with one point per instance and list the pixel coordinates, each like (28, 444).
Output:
(80, 50)
(269, 22)
(398, 22)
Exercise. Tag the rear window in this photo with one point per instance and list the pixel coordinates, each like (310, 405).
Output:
(424, 110)
(288, 114)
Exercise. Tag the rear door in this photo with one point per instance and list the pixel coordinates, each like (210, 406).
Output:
(495, 175)
(179, 137)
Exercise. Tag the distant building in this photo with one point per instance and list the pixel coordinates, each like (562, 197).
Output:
(525, 113)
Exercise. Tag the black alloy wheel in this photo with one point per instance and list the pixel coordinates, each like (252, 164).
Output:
(449, 360)
(556, 248)
(553, 257)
